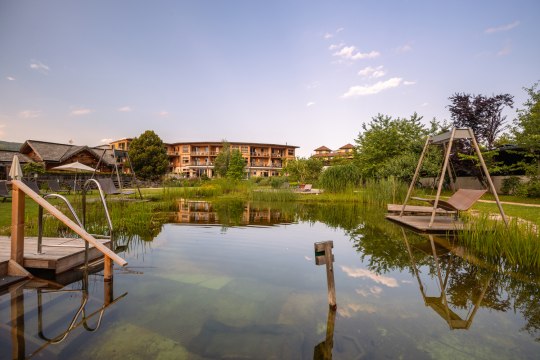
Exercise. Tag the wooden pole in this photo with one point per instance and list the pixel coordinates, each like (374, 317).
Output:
(17, 225)
(441, 180)
(416, 173)
(18, 346)
(108, 269)
(330, 274)
(484, 167)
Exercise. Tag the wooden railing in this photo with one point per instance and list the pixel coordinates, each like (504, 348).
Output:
(19, 189)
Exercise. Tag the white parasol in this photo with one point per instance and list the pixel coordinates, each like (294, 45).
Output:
(15, 172)
(75, 167)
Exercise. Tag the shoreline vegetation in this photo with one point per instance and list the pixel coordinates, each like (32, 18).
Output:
(519, 245)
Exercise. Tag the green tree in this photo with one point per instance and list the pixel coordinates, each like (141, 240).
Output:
(386, 143)
(31, 168)
(148, 156)
(221, 163)
(527, 125)
(237, 164)
(303, 170)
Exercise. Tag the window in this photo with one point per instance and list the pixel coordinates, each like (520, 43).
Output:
(185, 159)
(245, 149)
(290, 152)
(185, 149)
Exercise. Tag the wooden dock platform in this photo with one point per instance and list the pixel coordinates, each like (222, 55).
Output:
(441, 225)
(58, 254)
(417, 210)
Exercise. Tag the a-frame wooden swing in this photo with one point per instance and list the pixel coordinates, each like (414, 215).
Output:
(446, 140)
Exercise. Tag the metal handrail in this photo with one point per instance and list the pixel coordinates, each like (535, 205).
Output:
(67, 221)
(40, 218)
(85, 188)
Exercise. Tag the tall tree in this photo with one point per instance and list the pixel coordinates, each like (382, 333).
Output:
(148, 156)
(237, 164)
(303, 170)
(384, 139)
(221, 163)
(527, 124)
(481, 113)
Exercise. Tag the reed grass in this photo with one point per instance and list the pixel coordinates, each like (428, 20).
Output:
(516, 246)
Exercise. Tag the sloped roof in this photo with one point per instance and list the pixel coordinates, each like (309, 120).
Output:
(322, 148)
(347, 146)
(10, 146)
(7, 156)
(54, 152)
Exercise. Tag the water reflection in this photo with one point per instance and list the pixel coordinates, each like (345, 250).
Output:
(54, 323)
(229, 213)
(440, 303)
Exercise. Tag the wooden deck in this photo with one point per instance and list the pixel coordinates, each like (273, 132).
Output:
(417, 210)
(442, 224)
(58, 254)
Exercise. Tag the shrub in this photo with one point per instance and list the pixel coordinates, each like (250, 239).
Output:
(510, 185)
(340, 177)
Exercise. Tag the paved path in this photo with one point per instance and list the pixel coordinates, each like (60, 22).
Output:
(509, 203)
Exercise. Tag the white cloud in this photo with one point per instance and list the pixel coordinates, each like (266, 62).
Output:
(125, 109)
(336, 46)
(372, 72)
(502, 28)
(409, 82)
(339, 30)
(362, 90)
(81, 111)
(350, 53)
(404, 48)
(106, 141)
(10, 78)
(39, 66)
(364, 273)
(163, 113)
(30, 114)
(328, 36)
(309, 104)
(424, 104)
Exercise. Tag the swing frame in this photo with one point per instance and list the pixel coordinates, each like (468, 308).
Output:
(446, 140)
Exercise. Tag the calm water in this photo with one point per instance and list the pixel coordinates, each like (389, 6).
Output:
(238, 281)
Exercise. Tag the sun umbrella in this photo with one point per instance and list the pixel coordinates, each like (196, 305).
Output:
(15, 172)
(75, 167)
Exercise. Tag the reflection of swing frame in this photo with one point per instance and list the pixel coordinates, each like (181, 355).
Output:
(108, 300)
(439, 304)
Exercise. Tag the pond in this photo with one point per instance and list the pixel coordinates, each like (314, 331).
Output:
(231, 280)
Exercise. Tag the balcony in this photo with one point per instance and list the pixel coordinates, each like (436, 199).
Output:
(258, 154)
(200, 153)
(277, 156)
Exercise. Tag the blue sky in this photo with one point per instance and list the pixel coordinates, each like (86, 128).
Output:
(306, 73)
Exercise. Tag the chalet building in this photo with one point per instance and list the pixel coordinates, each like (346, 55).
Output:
(54, 154)
(7, 151)
(327, 155)
(195, 159)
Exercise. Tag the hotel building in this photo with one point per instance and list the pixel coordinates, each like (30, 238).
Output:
(195, 159)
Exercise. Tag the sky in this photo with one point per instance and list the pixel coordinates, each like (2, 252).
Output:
(304, 73)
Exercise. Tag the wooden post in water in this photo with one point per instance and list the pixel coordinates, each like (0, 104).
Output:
(17, 225)
(324, 256)
(108, 269)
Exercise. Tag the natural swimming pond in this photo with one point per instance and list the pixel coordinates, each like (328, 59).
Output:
(239, 281)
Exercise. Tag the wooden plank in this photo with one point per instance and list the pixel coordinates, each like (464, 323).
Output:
(63, 255)
(17, 223)
(441, 224)
(416, 209)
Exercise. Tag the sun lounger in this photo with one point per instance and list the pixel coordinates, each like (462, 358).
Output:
(108, 187)
(307, 188)
(33, 186)
(461, 200)
(54, 186)
(4, 192)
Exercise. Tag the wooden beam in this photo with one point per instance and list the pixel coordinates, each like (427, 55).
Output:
(17, 222)
(443, 171)
(416, 173)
